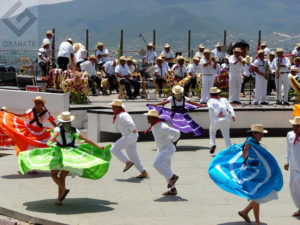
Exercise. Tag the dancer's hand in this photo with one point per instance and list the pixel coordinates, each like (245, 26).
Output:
(233, 118)
(100, 147)
(135, 131)
(286, 166)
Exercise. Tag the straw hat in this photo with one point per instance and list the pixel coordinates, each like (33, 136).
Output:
(258, 128)
(100, 44)
(49, 32)
(159, 58)
(179, 58)
(295, 121)
(295, 59)
(122, 58)
(218, 44)
(206, 51)
(237, 50)
(272, 53)
(263, 44)
(65, 117)
(150, 44)
(177, 90)
(294, 69)
(260, 52)
(167, 46)
(201, 46)
(39, 98)
(92, 57)
(3, 108)
(279, 50)
(70, 40)
(196, 58)
(45, 44)
(297, 45)
(214, 90)
(162, 55)
(152, 113)
(117, 103)
(129, 59)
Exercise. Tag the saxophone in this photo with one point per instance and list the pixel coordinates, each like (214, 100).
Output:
(267, 70)
(278, 71)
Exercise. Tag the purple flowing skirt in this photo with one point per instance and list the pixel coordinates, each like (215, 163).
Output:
(180, 120)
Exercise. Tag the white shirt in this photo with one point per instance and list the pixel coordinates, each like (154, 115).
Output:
(122, 70)
(194, 69)
(178, 70)
(207, 70)
(246, 71)
(166, 65)
(80, 55)
(260, 65)
(150, 56)
(295, 52)
(42, 52)
(218, 54)
(198, 53)
(109, 67)
(294, 66)
(89, 67)
(164, 137)
(168, 55)
(30, 116)
(220, 105)
(131, 68)
(103, 59)
(161, 70)
(177, 103)
(65, 49)
(235, 68)
(47, 40)
(285, 61)
(267, 51)
(68, 136)
(293, 151)
(125, 124)
(271, 64)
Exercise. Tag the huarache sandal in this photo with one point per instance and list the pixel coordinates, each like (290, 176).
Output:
(296, 213)
(128, 166)
(64, 195)
(142, 175)
(172, 181)
(173, 191)
(246, 218)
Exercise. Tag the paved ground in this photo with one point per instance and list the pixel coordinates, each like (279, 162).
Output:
(120, 199)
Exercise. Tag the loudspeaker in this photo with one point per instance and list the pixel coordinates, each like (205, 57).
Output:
(24, 80)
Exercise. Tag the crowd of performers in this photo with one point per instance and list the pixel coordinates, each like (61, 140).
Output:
(247, 169)
(266, 71)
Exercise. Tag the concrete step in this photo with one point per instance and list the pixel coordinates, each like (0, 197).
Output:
(85, 125)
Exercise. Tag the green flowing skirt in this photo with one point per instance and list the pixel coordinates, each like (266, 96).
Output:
(84, 160)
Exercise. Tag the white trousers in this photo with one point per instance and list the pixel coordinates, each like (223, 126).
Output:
(260, 88)
(207, 83)
(224, 126)
(284, 82)
(129, 143)
(235, 86)
(162, 164)
(295, 187)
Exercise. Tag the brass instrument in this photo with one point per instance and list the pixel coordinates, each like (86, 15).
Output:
(267, 70)
(278, 71)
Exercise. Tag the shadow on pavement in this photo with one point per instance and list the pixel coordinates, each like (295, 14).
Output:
(131, 180)
(70, 206)
(26, 176)
(238, 223)
(190, 148)
(170, 199)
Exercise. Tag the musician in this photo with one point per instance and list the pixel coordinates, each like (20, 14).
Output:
(261, 81)
(43, 59)
(180, 72)
(48, 39)
(235, 76)
(296, 62)
(150, 56)
(281, 66)
(169, 54)
(201, 50)
(65, 52)
(296, 51)
(89, 66)
(271, 81)
(123, 76)
(208, 66)
(109, 71)
(217, 52)
(193, 70)
(134, 79)
(264, 47)
(80, 54)
(295, 73)
(246, 72)
(160, 74)
(165, 64)
(101, 54)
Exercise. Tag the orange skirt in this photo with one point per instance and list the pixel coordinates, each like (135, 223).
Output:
(23, 135)
(5, 140)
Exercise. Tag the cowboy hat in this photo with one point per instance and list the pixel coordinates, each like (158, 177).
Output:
(258, 128)
(39, 98)
(214, 90)
(150, 44)
(237, 50)
(159, 58)
(49, 32)
(218, 44)
(152, 113)
(162, 55)
(70, 40)
(295, 121)
(201, 46)
(167, 46)
(179, 58)
(3, 108)
(129, 59)
(122, 58)
(279, 50)
(272, 53)
(65, 117)
(295, 59)
(196, 58)
(263, 44)
(117, 103)
(45, 44)
(206, 51)
(92, 57)
(294, 69)
(177, 90)
(260, 52)
(100, 44)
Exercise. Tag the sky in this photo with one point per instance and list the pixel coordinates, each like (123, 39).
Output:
(6, 5)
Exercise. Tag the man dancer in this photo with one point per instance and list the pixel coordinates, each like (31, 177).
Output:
(293, 162)
(164, 137)
(235, 76)
(126, 126)
(219, 117)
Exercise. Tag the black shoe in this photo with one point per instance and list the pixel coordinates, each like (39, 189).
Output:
(202, 102)
(212, 149)
(286, 103)
(264, 103)
(279, 103)
(237, 102)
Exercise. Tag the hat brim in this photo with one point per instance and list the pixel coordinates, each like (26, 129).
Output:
(255, 131)
(122, 106)
(293, 122)
(40, 100)
(65, 121)
(146, 114)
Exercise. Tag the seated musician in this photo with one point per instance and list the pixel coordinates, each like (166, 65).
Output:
(150, 56)
(134, 77)
(179, 71)
(193, 71)
(160, 74)
(165, 64)
(168, 52)
(43, 59)
(109, 72)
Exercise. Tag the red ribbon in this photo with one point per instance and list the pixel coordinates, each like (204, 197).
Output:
(152, 125)
(296, 138)
(115, 117)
